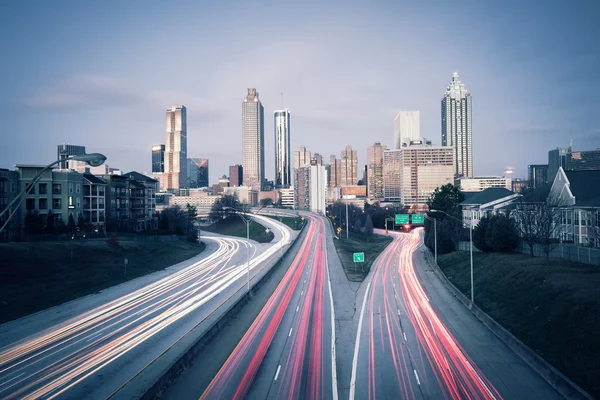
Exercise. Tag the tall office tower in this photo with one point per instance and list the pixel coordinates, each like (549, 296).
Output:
(310, 188)
(235, 175)
(301, 157)
(583, 160)
(538, 175)
(406, 128)
(317, 158)
(197, 172)
(176, 148)
(65, 151)
(158, 158)
(412, 173)
(349, 161)
(456, 126)
(374, 176)
(557, 158)
(253, 140)
(283, 178)
(335, 171)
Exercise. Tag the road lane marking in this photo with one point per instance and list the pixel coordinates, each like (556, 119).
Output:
(404, 334)
(290, 334)
(94, 336)
(357, 344)
(277, 373)
(301, 293)
(297, 307)
(12, 379)
(398, 312)
(417, 376)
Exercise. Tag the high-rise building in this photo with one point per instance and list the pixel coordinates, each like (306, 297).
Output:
(235, 175)
(557, 158)
(406, 128)
(176, 148)
(412, 173)
(316, 159)
(158, 158)
(283, 178)
(65, 151)
(253, 140)
(197, 172)
(480, 183)
(301, 157)
(374, 175)
(310, 188)
(456, 126)
(335, 171)
(349, 164)
(538, 175)
(583, 160)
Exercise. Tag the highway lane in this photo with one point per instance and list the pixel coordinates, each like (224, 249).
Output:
(404, 349)
(289, 350)
(94, 353)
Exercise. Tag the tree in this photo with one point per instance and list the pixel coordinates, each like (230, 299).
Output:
(368, 227)
(33, 222)
(501, 235)
(445, 198)
(80, 223)
(49, 222)
(163, 222)
(357, 226)
(192, 231)
(224, 208)
(266, 202)
(71, 222)
(480, 234)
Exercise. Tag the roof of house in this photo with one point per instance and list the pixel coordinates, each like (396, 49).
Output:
(585, 186)
(537, 195)
(139, 177)
(94, 179)
(137, 184)
(486, 196)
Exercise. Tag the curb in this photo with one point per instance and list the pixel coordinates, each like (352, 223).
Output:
(156, 385)
(563, 385)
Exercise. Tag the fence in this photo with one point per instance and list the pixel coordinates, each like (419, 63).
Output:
(570, 252)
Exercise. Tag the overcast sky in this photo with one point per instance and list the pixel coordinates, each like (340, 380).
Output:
(102, 73)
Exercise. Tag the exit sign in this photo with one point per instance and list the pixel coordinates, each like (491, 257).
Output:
(401, 219)
(418, 219)
(359, 257)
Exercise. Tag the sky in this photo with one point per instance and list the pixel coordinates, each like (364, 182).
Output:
(102, 74)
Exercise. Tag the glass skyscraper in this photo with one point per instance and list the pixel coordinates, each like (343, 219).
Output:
(456, 126)
(158, 158)
(253, 140)
(176, 148)
(282, 148)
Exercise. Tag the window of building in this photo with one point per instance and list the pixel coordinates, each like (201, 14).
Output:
(78, 202)
(100, 190)
(43, 204)
(30, 204)
(30, 189)
(56, 188)
(43, 188)
(56, 204)
(77, 188)
(70, 188)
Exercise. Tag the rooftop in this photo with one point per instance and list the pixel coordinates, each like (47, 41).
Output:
(486, 196)
(585, 186)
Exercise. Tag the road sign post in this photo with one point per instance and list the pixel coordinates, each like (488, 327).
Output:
(358, 258)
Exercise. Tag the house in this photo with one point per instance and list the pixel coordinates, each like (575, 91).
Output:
(490, 201)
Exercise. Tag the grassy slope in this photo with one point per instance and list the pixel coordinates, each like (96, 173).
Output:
(356, 244)
(292, 222)
(36, 276)
(552, 308)
(236, 227)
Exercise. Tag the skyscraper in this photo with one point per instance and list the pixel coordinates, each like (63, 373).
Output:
(538, 175)
(316, 159)
(158, 158)
(235, 175)
(65, 151)
(176, 148)
(301, 157)
(374, 176)
(557, 158)
(282, 148)
(456, 126)
(253, 140)
(349, 170)
(583, 160)
(197, 172)
(406, 128)
(335, 171)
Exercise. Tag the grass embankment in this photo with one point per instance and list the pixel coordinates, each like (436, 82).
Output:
(553, 308)
(357, 244)
(237, 227)
(293, 222)
(36, 276)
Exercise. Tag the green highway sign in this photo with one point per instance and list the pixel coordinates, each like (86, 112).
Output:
(359, 257)
(418, 219)
(401, 219)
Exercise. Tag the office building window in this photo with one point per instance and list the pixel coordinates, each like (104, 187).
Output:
(70, 188)
(78, 202)
(57, 188)
(43, 204)
(78, 188)
(43, 188)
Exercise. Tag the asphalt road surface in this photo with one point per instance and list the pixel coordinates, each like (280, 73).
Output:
(289, 350)
(92, 354)
(416, 341)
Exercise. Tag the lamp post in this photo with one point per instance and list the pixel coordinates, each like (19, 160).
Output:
(93, 159)
(470, 247)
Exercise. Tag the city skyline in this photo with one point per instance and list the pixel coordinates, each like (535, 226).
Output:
(81, 93)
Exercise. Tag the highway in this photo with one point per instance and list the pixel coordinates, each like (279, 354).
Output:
(289, 350)
(94, 353)
(416, 341)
